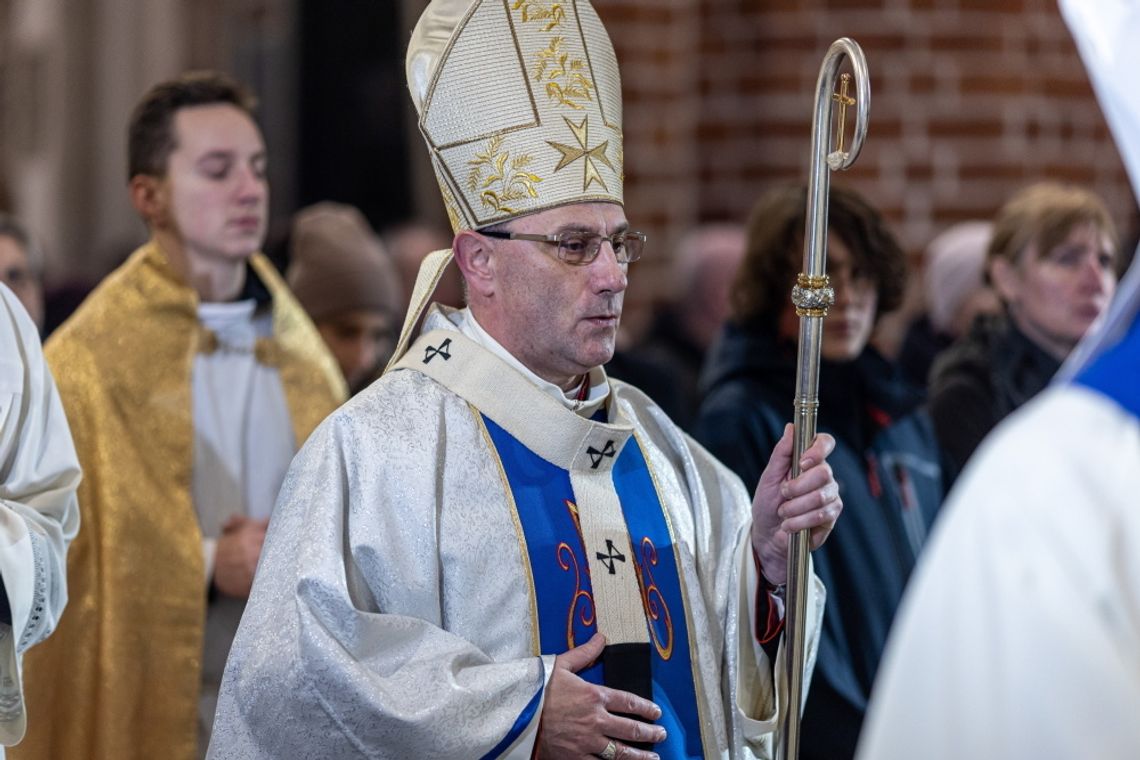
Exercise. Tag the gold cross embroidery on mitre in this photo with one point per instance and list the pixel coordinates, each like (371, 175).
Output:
(570, 153)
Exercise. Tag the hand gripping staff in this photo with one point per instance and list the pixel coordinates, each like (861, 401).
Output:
(812, 295)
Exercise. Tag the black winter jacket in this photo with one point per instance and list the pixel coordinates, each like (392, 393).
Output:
(887, 465)
(979, 381)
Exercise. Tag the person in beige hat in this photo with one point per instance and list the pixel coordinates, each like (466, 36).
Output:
(348, 285)
(495, 550)
(955, 292)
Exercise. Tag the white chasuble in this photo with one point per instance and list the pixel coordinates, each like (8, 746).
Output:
(39, 515)
(449, 531)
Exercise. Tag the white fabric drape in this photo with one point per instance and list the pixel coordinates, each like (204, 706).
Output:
(39, 514)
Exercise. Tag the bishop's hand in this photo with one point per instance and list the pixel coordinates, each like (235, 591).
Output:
(578, 717)
(783, 506)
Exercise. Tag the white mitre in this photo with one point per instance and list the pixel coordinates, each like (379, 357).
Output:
(519, 102)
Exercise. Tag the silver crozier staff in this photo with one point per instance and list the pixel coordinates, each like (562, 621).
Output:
(812, 296)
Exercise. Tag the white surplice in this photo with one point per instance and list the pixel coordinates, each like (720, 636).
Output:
(243, 443)
(39, 515)
(1019, 636)
(393, 614)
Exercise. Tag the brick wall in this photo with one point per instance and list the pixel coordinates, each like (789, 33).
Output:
(971, 99)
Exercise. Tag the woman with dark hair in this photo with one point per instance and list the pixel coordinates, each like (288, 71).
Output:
(886, 461)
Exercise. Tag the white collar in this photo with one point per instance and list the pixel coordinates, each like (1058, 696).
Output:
(599, 385)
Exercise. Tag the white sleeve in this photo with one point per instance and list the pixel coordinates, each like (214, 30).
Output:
(1019, 632)
(758, 697)
(39, 513)
(349, 677)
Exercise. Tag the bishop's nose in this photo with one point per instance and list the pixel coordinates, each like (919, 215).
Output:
(609, 275)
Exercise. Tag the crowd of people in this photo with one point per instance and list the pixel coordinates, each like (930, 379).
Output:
(297, 509)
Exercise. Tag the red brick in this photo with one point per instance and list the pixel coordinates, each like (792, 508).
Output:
(971, 100)
(995, 83)
(965, 128)
(993, 6)
(969, 42)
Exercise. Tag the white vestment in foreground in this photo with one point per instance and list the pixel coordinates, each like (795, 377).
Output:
(1019, 636)
(39, 515)
(394, 610)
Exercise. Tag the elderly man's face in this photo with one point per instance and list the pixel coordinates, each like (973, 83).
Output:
(16, 272)
(557, 319)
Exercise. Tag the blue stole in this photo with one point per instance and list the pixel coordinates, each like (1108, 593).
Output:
(1116, 372)
(548, 515)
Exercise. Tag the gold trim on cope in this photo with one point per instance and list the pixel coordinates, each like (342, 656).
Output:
(698, 683)
(524, 552)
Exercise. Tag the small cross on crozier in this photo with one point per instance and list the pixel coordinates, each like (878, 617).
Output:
(844, 100)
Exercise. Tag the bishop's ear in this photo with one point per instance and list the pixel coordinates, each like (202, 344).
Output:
(475, 256)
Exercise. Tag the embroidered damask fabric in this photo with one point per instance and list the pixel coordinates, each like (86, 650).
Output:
(520, 105)
(407, 584)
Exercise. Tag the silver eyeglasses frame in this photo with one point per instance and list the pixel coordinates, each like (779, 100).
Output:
(619, 241)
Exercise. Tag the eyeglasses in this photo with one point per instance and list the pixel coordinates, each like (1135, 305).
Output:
(580, 248)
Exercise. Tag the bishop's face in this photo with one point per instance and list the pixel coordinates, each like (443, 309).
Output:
(215, 195)
(558, 319)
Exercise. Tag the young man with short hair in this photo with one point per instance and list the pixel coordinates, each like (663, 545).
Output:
(191, 376)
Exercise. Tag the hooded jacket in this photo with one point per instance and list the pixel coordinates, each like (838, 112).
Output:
(887, 465)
